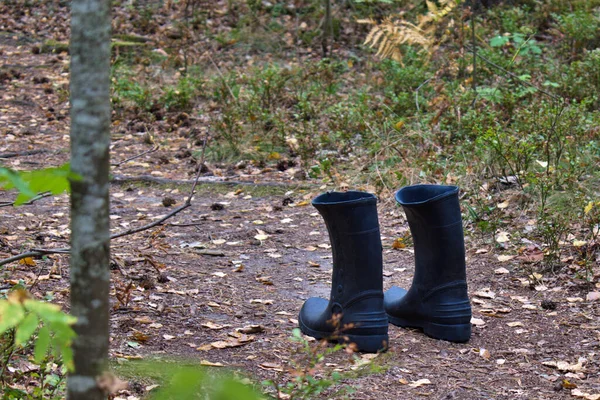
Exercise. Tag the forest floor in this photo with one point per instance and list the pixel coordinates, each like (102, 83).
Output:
(184, 289)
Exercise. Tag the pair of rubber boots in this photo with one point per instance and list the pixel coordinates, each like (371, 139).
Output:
(358, 311)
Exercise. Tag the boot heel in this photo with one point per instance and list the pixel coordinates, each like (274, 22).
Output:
(451, 333)
(368, 344)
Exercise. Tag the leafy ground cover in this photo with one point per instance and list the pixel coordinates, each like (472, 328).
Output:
(246, 87)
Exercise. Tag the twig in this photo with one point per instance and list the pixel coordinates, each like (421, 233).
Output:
(39, 252)
(116, 179)
(222, 76)
(34, 199)
(134, 157)
(21, 153)
(525, 83)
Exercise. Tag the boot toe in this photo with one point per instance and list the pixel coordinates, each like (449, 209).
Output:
(392, 297)
(311, 318)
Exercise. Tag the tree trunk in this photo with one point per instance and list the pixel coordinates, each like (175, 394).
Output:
(90, 242)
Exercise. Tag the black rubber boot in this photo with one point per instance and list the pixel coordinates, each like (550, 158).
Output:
(437, 301)
(354, 312)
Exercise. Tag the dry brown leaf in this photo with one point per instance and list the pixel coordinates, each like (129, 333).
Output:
(140, 336)
(477, 321)
(271, 366)
(419, 383)
(484, 353)
(565, 366)
(486, 293)
(502, 237)
(504, 258)
(211, 364)
(252, 329)
(593, 296)
(314, 264)
(586, 396)
(213, 326)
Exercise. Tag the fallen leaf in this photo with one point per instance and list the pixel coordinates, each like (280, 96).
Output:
(419, 383)
(213, 326)
(477, 321)
(587, 396)
(565, 366)
(324, 246)
(30, 262)
(398, 244)
(486, 293)
(592, 296)
(261, 301)
(144, 320)
(168, 337)
(220, 274)
(513, 324)
(207, 363)
(574, 299)
(579, 243)
(252, 329)
(484, 353)
(502, 237)
(501, 271)
(140, 336)
(261, 235)
(502, 205)
(568, 385)
(314, 264)
(271, 366)
(503, 258)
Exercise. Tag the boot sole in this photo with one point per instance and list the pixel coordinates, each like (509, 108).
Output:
(460, 333)
(364, 343)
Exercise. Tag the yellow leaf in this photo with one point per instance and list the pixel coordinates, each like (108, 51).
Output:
(399, 125)
(27, 261)
(274, 156)
(398, 244)
(589, 207)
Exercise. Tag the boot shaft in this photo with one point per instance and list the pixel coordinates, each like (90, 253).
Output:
(353, 227)
(433, 214)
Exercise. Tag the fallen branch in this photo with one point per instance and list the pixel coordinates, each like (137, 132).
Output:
(22, 153)
(41, 252)
(34, 199)
(134, 157)
(212, 180)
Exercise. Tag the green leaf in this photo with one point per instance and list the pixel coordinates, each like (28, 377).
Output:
(26, 328)
(10, 315)
(498, 41)
(41, 345)
(67, 357)
(12, 179)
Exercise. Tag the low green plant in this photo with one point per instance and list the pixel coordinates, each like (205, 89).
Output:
(310, 378)
(29, 326)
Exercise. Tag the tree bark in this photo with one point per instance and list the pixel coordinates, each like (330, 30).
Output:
(90, 235)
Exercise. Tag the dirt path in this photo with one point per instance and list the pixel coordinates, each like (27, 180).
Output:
(172, 300)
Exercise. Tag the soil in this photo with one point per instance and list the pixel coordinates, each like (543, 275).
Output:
(196, 279)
